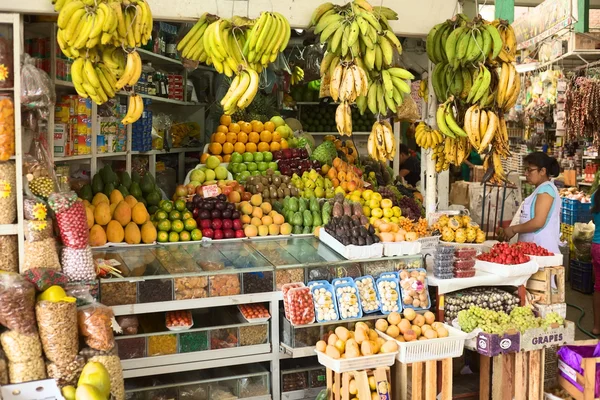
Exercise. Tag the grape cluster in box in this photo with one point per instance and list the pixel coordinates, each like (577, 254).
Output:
(464, 262)
(298, 303)
(295, 161)
(217, 218)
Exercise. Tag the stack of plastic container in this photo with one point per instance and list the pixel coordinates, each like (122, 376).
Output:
(443, 262)
(464, 262)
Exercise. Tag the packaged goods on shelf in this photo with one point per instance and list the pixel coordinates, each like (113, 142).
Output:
(9, 253)
(67, 373)
(31, 370)
(56, 322)
(20, 348)
(7, 128)
(95, 325)
(8, 195)
(17, 304)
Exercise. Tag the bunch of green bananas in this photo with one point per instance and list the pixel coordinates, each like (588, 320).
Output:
(232, 45)
(381, 144)
(101, 37)
(297, 75)
(426, 137)
(386, 91)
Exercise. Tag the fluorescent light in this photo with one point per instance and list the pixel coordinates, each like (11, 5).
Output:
(526, 67)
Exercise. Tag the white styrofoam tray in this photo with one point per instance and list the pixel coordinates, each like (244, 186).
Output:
(351, 252)
(548, 261)
(358, 363)
(391, 249)
(431, 349)
(528, 268)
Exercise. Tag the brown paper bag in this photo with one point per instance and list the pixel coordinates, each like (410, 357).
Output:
(459, 193)
(570, 177)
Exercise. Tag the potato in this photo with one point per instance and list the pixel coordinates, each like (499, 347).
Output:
(332, 352)
(342, 333)
(321, 346)
(373, 335)
(360, 335)
(332, 339)
(366, 348)
(394, 318)
(352, 350)
(381, 325)
(360, 325)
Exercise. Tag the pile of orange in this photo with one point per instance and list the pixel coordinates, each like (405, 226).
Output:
(243, 137)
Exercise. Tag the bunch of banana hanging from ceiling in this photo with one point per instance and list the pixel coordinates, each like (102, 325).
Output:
(235, 44)
(381, 144)
(446, 120)
(347, 83)
(386, 91)
(509, 87)
(439, 156)
(494, 170)
(242, 91)
(297, 75)
(509, 41)
(359, 30)
(86, 24)
(426, 137)
(424, 89)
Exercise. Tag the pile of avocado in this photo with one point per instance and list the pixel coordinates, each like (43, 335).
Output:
(144, 189)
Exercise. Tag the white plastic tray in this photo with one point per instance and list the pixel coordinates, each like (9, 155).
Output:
(431, 349)
(253, 320)
(548, 261)
(351, 252)
(391, 249)
(358, 363)
(528, 268)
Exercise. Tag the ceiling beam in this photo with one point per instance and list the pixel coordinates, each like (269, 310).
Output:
(532, 3)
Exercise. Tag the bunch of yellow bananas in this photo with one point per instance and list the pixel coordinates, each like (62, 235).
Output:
(492, 164)
(343, 119)
(381, 144)
(104, 28)
(424, 89)
(509, 40)
(241, 92)
(297, 75)
(439, 156)
(509, 86)
(485, 128)
(236, 44)
(426, 137)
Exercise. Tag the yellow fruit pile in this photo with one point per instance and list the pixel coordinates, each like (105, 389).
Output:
(412, 327)
(117, 219)
(363, 341)
(259, 219)
(459, 229)
(245, 137)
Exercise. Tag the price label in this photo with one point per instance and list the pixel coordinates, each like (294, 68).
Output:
(210, 191)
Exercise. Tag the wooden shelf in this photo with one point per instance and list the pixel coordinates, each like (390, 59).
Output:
(73, 158)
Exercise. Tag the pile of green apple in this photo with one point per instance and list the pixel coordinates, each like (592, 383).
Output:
(311, 185)
(243, 166)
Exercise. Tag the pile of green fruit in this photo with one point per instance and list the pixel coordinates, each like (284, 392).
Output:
(304, 214)
(322, 119)
(174, 222)
(243, 166)
(312, 185)
(144, 189)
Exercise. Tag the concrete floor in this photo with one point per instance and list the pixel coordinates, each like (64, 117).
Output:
(584, 301)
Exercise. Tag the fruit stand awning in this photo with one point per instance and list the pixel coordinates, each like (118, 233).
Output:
(415, 18)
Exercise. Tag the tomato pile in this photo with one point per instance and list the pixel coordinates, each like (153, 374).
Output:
(179, 318)
(503, 253)
(253, 311)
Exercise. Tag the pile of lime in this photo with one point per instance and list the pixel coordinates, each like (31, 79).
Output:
(175, 223)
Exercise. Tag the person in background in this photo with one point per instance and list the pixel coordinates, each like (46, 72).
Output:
(410, 167)
(471, 161)
(540, 212)
(596, 261)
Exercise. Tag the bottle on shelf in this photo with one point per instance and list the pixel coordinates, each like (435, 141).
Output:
(148, 72)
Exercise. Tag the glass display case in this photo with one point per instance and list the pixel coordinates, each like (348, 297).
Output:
(193, 270)
(251, 381)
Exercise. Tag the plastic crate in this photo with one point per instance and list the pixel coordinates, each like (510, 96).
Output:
(568, 217)
(582, 276)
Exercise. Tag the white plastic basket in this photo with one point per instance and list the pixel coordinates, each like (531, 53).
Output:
(358, 363)
(432, 349)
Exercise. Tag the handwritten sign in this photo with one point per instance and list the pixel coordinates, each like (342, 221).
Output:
(543, 21)
(210, 191)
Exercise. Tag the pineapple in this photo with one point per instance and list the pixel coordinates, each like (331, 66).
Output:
(460, 236)
(447, 234)
(471, 234)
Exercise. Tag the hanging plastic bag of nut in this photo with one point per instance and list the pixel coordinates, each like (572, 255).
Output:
(32, 370)
(7, 128)
(9, 253)
(37, 90)
(78, 264)
(34, 209)
(57, 322)
(408, 110)
(71, 219)
(41, 254)
(113, 366)
(8, 193)
(3, 370)
(38, 230)
(20, 348)
(38, 170)
(66, 374)
(95, 325)
(17, 300)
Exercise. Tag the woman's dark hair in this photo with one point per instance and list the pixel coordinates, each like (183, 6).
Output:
(543, 160)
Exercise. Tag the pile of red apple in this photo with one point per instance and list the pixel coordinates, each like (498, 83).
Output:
(503, 253)
(217, 218)
(232, 189)
(295, 161)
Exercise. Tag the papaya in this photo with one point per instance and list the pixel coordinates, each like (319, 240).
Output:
(132, 233)
(89, 213)
(115, 232)
(96, 375)
(97, 236)
(102, 213)
(122, 213)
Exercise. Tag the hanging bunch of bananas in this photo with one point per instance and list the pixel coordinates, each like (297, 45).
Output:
(95, 34)
(509, 40)
(492, 164)
(381, 144)
(241, 92)
(231, 45)
(439, 156)
(509, 86)
(297, 75)
(426, 137)
(424, 89)
(446, 121)
(348, 82)
(386, 91)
